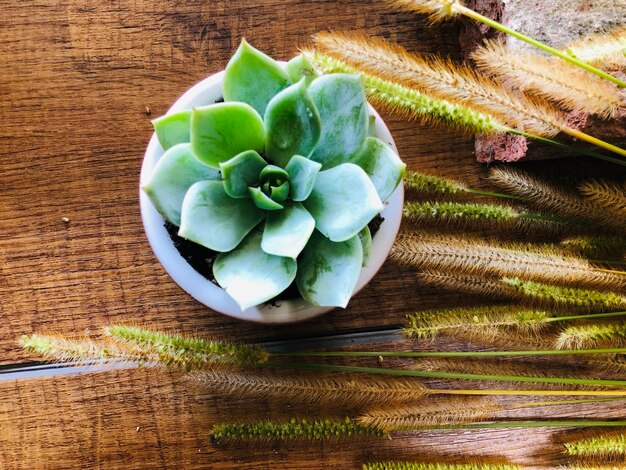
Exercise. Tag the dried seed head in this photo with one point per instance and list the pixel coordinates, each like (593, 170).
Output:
(444, 80)
(557, 80)
(409, 103)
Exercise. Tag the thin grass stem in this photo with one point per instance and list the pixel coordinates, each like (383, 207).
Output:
(445, 375)
(544, 47)
(555, 352)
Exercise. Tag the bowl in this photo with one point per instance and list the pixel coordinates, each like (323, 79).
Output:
(207, 92)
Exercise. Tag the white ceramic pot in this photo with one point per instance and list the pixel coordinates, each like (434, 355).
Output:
(283, 311)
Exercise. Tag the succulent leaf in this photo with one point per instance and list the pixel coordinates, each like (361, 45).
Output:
(173, 129)
(173, 175)
(263, 201)
(343, 201)
(300, 67)
(211, 218)
(240, 172)
(340, 101)
(288, 231)
(221, 131)
(252, 276)
(328, 271)
(382, 165)
(365, 236)
(302, 173)
(293, 124)
(253, 78)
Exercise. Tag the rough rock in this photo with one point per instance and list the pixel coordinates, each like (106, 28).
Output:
(554, 22)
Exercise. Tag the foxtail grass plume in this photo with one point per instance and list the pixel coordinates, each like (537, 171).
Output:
(444, 80)
(588, 336)
(456, 410)
(551, 198)
(525, 292)
(599, 448)
(474, 215)
(478, 257)
(187, 352)
(83, 350)
(298, 430)
(596, 246)
(311, 388)
(432, 185)
(608, 195)
(571, 87)
(398, 465)
(583, 299)
(480, 367)
(409, 103)
(483, 321)
(439, 10)
(605, 50)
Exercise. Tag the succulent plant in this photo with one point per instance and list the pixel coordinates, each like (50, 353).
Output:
(282, 179)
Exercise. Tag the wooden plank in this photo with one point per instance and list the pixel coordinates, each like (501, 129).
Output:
(77, 77)
(154, 419)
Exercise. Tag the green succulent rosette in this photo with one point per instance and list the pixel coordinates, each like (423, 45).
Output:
(282, 179)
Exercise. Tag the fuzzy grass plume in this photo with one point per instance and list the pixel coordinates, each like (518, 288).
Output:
(587, 336)
(187, 352)
(477, 257)
(134, 344)
(457, 410)
(539, 377)
(600, 448)
(298, 430)
(582, 299)
(604, 49)
(528, 293)
(82, 350)
(311, 388)
(484, 321)
(442, 9)
(466, 214)
(432, 185)
(596, 246)
(551, 198)
(409, 103)
(608, 195)
(397, 465)
(444, 80)
(559, 81)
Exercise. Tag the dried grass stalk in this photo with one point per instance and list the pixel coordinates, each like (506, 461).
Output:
(409, 103)
(551, 198)
(608, 195)
(557, 80)
(602, 49)
(526, 292)
(311, 388)
(600, 448)
(476, 257)
(444, 80)
(484, 322)
(592, 335)
(295, 430)
(396, 465)
(480, 366)
(598, 246)
(434, 412)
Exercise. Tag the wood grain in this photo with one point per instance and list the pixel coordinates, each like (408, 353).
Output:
(77, 78)
(79, 82)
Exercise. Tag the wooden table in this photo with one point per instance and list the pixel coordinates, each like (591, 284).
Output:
(79, 82)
